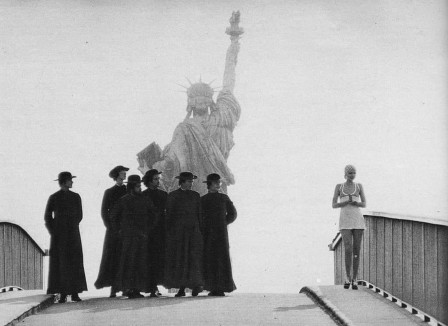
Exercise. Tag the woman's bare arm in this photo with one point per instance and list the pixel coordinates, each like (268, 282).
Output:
(335, 198)
(362, 196)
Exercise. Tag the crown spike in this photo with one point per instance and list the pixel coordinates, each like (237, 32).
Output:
(189, 81)
(182, 86)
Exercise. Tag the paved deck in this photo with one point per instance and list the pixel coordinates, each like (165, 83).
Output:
(324, 305)
(16, 305)
(235, 309)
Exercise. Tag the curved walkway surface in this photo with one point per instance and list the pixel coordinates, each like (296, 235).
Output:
(362, 307)
(235, 309)
(16, 305)
(345, 307)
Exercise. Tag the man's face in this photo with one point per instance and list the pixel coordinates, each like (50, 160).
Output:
(68, 183)
(138, 188)
(187, 184)
(155, 181)
(121, 177)
(215, 186)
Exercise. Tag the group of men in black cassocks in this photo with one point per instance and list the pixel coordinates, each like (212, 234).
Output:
(178, 240)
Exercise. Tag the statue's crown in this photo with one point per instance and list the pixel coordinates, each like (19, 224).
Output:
(200, 89)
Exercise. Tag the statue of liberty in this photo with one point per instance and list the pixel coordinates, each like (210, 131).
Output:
(201, 144)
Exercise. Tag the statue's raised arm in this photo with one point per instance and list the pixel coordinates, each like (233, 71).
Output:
(232, 52)
(226, 113)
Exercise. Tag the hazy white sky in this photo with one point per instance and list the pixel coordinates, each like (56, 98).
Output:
(88, 84)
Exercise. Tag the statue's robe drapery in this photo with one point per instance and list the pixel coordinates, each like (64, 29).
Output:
(62, 217)
(157, 238)
(135, 216)
(111, 247)
(183, 259)
(203, 146)
(222, 122)
(217, 212)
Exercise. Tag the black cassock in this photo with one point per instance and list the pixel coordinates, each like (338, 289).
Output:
(183, 259)
(217, 212)
(136, 217)
(157, 236)
(111, 247)
(62, 217)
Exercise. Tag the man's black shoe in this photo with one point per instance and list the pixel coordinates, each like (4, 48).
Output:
(113, 293)
(180, 293)
(134, 295)
(76, 298)
(63, 298)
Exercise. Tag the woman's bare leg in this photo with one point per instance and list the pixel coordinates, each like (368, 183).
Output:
(347, 238)
(357, 239)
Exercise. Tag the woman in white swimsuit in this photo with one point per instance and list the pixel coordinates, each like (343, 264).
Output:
(351, 222)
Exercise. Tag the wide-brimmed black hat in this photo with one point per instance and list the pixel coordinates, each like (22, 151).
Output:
(213, 177)
(134, 178)
(149, 175)
(64, 176)
(116, 170)
(186, 176)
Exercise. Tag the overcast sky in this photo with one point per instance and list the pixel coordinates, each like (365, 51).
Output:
(86, 85)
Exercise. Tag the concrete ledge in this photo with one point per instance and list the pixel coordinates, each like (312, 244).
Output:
(17, 305)
(315, 294)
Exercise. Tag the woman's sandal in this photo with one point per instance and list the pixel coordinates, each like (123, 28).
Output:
(354, 285)
(346, 284)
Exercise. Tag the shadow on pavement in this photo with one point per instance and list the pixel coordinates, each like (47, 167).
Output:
(96, 305)
(299, 307)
